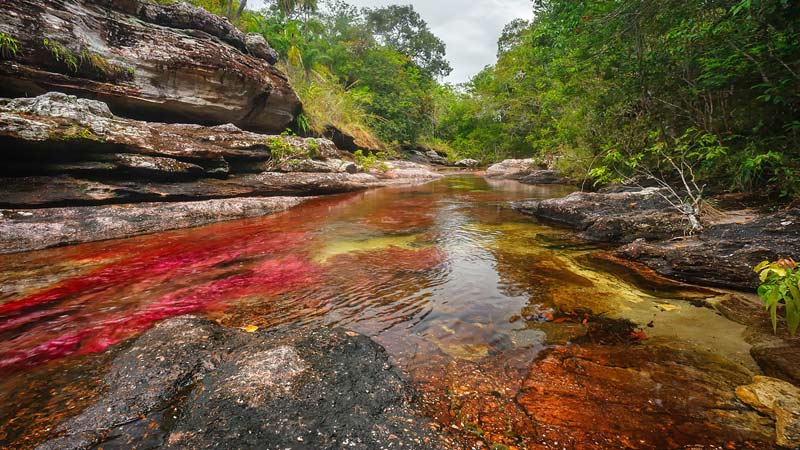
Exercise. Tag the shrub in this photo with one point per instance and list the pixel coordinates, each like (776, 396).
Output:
(371, 160)
(780, 284)
(9, 47)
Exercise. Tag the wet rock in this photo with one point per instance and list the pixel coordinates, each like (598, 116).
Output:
(613, 217)
(33, 229)
(646, 396)
(468, 163)
(779, 358)
(227, 389)
(723, 255)
(258, 47)
(543, 177)
(435, 158)
(513, 169)
(172, 63)
(779, 400)
(407, 170)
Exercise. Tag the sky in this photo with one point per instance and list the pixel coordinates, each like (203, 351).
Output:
(470, 28)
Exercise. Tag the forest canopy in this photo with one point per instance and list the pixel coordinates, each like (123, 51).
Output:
(600, 89)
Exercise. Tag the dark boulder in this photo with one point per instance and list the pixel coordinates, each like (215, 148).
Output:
(191, 384)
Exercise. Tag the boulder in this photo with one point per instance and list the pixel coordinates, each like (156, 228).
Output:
(468, 163)
(543, 177)
(512, 169)
(779, 400)
(614, 217)
(171, 63)
(34, 229)
(190, 384)
(723, 255)
(259, 47)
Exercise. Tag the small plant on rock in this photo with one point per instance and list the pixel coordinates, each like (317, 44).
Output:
(780, 285)
(62, 54)
(9, 47)
(371, 160)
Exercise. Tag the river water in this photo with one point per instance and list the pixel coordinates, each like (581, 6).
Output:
(467, 296)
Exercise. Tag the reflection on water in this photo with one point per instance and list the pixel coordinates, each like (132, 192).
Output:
(460, 289)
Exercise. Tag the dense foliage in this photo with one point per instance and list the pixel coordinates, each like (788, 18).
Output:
(780, 287)
(606, 87)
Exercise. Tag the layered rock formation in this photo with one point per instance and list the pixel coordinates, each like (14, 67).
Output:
(723, 254)
(168, 63)
(189, 383)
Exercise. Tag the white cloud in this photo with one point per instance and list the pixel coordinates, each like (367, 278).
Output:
(470, 28)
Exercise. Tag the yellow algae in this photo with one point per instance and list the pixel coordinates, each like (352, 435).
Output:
(344, 246)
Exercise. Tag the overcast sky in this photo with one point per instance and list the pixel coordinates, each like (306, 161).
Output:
(470, 28)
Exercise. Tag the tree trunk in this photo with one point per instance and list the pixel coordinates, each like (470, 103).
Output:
(242, 6)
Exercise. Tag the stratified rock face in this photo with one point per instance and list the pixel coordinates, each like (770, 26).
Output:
(513, 169)
(60, 150)
(166, 63)
(308, 389)
(780, 400)
(614, 217)
(723, 255)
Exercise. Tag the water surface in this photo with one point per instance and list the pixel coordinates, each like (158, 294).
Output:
(462, 291)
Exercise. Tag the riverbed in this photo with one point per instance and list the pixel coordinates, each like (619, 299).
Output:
(516, 334)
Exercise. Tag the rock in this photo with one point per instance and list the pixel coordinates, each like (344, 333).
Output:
(468, 163)
(435, 158)
(778, 359)
(512, 169)
(47, 138)
(249, 390)
(34, 229)
(407, 171)
(353, 140)
(777, 399)
(645, 396)
(543, 177)
(723, 255)
(615, 217)
(258, 47)
(171, 63)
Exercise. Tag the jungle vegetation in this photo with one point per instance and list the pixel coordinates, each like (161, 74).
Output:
(602, 89)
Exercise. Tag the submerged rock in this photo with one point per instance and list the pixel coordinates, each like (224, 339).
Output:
(173, 63)
(648, 397)
(513, 169)
(189, 383)
(779, 400)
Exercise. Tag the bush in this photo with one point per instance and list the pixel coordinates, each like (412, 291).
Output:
(780, 285)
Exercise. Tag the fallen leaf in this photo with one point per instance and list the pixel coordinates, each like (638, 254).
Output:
(250, 328)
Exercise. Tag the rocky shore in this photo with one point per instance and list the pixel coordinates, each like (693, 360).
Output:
(188, 383)
(145, 118)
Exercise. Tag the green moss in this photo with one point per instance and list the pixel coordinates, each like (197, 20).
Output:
(9, 47)
(81, 134)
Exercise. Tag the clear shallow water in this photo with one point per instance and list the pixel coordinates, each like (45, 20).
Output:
(463, 292)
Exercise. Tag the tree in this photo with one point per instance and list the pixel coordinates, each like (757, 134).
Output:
(402, 28)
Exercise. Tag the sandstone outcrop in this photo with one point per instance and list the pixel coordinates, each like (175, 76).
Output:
(167, 63)
(513, 169)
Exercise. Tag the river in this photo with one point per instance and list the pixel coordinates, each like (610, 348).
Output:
(466, 295)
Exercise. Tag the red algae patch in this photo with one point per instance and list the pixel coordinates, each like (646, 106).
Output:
(639, 397)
